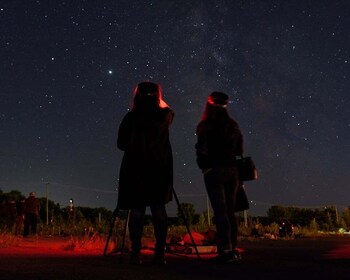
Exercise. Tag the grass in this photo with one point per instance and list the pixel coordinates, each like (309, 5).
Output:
(95, 241)
(9, 240)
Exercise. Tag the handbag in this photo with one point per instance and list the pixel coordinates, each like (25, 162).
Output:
(242, 202)
(246, 169)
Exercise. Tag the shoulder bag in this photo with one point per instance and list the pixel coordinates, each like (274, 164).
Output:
(246, 169)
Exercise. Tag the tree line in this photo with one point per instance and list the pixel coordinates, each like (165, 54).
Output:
(327, 218)
(64, 220)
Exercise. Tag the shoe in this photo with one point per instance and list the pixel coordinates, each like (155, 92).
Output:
(135, 258)
(237, 254)
(159, 258)
(229, 257)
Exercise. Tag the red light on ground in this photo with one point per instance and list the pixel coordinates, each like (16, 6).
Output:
(342, 252)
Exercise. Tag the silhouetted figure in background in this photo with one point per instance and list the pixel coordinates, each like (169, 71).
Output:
(286, 228)
(146, 173)
(20, 214)
(32, 208)
(10, 213)
(219, 142)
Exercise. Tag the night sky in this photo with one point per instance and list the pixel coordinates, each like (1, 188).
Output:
(68, 69)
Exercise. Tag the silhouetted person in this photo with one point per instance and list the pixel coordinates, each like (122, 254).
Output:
(219, 142)
(286, 228)
(20, 214)
(32, 208)
(10, 213)
(146, 173)
(255, 232)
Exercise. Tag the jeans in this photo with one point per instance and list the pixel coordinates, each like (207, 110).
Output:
(222, 184)
(30, 222)
(160, 222)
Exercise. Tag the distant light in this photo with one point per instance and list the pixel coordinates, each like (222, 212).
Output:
(110, 72)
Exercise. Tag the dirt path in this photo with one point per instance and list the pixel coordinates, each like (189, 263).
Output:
(45, 258)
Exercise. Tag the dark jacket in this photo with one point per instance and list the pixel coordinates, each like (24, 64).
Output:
(146, 173)
(32, 205)
(218, 144)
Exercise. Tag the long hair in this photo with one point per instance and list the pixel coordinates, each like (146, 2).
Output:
(220, 124)
(147, 97)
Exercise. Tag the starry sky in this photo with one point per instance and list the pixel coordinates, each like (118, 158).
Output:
(68, 69)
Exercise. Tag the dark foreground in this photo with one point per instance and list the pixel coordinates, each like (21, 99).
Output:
(322, 258)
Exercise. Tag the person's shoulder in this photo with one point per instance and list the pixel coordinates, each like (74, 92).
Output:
(167, 114)
(233, 122)
(234, 126)
(129, 115)
(202, 125)
(167, 110)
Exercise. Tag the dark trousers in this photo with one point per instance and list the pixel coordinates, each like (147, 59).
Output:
(222, 184)
(19, 223)
(160, 222)
(30, 222)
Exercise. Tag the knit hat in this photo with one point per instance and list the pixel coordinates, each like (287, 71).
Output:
(218, 99)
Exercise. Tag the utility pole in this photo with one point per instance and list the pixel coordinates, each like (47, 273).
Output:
(47, 204)
(245, 218)
(336, 214)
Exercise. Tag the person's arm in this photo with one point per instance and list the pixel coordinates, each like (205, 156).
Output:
(202, 149)
(124, 133)
(240, 147)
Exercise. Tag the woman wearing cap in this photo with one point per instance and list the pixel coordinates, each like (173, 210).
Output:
(219, 142)
(146, 173)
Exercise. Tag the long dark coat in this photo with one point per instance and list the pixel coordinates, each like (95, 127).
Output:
(146, 172)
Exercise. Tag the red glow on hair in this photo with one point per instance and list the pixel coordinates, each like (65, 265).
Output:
(211, 101)
(159, 93)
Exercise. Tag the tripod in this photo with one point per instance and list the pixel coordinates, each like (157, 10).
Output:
(115, 213)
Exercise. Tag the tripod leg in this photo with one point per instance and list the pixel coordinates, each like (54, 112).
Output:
(115, 213)
(124, 236)
(186, 224)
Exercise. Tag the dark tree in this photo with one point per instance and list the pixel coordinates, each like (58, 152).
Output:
(189, 212)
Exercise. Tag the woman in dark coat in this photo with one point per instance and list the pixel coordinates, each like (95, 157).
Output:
(219, 142)
(146, 173)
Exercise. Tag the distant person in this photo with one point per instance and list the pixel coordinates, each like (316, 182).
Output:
(219, 142)
(255, 231)
(20, 214)
(146, 173)
(10, 213)
(32, 208)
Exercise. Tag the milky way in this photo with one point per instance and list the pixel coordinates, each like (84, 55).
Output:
(68, 69)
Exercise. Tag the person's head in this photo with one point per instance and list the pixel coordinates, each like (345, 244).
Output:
(147, 96)
(32, 194)
(218, 99)
(216, 105)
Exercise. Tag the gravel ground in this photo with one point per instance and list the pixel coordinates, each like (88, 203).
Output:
(44, 258)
